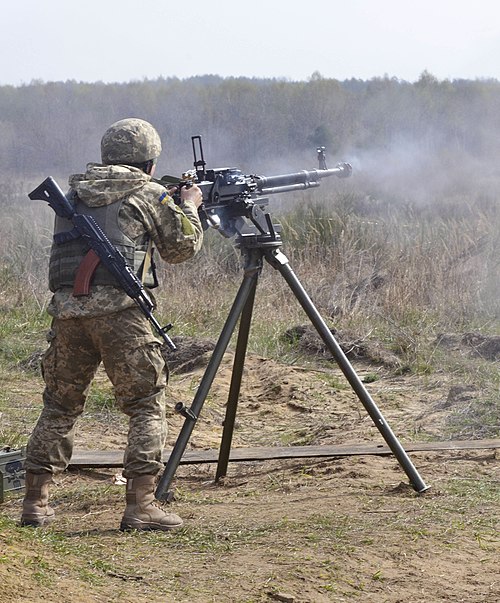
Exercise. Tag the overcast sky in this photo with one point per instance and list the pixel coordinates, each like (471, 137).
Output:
(123, 40)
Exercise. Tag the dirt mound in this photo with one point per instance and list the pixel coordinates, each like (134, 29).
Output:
(191, 353)
(354, 347)
(487, 347)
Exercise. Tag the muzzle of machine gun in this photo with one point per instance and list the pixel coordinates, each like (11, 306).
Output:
(284, 183)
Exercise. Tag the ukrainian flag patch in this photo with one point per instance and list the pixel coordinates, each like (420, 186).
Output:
(164, 198)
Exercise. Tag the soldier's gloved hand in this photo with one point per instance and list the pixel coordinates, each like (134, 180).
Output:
(192, 193)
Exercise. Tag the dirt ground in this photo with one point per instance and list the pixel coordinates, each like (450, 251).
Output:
(296, 531)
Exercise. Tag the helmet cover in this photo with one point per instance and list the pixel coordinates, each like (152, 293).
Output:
(130, 141)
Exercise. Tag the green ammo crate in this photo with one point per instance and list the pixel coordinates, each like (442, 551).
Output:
(11, 470)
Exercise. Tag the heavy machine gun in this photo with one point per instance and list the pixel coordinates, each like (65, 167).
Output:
(235, 205)
(230, 198)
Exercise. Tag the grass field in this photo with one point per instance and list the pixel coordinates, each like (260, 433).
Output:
(413, 295)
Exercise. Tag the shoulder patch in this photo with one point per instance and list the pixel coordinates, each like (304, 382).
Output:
(164, 198)
(187, 227)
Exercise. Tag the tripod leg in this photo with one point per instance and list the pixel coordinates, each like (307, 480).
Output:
(234, 390)
(191, 414)
(279, 261)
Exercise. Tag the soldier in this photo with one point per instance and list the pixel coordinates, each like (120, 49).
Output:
(138, 216)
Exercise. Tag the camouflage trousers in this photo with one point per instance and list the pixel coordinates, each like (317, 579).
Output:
(132, 358)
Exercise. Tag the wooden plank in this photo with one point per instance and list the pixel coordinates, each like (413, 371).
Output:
(114, 458)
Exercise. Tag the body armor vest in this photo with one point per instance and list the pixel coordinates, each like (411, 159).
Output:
(65, 257)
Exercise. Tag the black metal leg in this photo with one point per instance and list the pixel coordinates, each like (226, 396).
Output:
(279, 261)
(234, 390)
(191, 414)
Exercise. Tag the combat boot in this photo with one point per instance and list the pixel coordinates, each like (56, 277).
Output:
(142, 512)
(36, 510)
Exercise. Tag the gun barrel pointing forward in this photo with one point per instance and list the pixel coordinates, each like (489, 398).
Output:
(300, 180)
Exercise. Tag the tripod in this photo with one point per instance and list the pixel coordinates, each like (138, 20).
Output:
(259, 241)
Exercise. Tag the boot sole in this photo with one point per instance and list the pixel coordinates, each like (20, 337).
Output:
(147, 527)
(36, 523)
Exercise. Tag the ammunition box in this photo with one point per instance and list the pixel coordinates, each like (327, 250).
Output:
(12, 471)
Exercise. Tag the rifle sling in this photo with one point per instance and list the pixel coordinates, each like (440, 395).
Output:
(85, 273)
(146, 265)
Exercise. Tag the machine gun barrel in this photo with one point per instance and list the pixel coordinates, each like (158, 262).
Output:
(299, 180)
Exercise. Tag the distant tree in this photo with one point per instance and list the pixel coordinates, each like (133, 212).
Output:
(321, 137)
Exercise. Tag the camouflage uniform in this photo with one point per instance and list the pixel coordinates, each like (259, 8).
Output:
(107, 326)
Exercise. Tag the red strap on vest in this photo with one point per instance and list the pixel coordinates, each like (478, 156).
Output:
(85, 273)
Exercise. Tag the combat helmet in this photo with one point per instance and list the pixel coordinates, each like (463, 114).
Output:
(130, 141)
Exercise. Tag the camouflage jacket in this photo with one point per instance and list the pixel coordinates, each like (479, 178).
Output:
(146, 209)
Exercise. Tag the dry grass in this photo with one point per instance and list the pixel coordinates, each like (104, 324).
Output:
(396, 275)
(400, 273)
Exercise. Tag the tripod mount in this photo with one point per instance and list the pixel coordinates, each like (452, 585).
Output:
(259, 239)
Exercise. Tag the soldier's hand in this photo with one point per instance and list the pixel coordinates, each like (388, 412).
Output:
(192, 193)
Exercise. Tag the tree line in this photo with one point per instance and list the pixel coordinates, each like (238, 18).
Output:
(256, 123)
